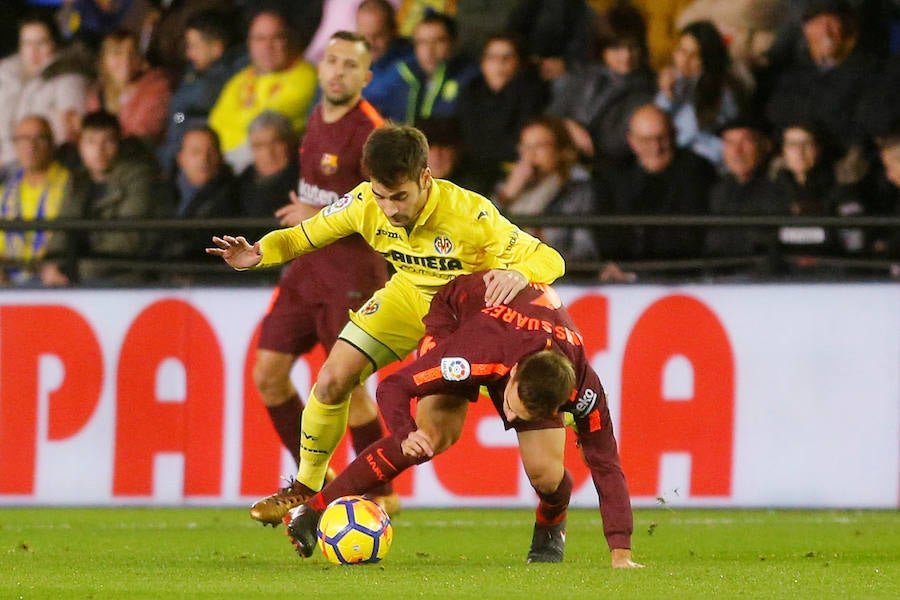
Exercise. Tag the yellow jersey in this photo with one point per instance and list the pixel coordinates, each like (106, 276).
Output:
(22, 200)
(247, 94)
(457, 232)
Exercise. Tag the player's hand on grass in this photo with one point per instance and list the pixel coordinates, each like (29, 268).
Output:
(621, 559)
(417, 445)
(502, 286)
(236, 251)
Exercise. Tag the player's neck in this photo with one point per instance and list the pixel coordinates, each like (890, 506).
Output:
(334, 112)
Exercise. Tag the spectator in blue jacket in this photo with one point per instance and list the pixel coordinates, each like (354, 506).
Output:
(376, 20)
(212, 59)
(429, 84)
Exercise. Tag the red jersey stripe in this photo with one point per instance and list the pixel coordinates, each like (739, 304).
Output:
(371, 112)
(427, 375)
(477, 370)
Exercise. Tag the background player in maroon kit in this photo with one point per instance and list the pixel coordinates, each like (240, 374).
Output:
(530, 357)
(316, 291)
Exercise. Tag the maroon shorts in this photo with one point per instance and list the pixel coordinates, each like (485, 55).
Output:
(315, 294)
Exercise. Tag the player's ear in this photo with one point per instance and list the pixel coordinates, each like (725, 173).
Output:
(425, 178)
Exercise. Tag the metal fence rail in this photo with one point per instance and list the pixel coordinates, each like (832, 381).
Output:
(839, 266)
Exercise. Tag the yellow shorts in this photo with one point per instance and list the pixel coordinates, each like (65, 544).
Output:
(389, 325)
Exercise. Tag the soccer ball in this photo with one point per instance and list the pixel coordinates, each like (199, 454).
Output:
(353, 530)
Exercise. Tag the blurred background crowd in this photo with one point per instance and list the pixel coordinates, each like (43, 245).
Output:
(194, 109)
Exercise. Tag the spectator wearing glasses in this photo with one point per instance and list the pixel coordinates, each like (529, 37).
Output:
(36, 191)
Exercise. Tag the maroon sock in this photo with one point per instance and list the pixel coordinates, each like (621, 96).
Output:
(364, 436)
(286, 419)
(552, 507)
(375, 466)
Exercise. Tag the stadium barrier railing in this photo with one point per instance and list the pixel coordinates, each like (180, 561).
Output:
(829, 267)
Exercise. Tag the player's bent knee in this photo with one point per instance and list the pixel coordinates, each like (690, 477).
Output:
(273, 381)
(546, 479)
(334, 384)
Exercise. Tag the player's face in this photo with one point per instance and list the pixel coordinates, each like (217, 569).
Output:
(403, 203)
(512, 405)
(344, 71)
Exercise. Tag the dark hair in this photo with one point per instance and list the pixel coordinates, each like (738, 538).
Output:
(511, 37)
(47, 21)
(352, 36)
(546, 380)
(395, 154)
(446, 21)
(813, 128)
(102, 120)
(716, 64)
(204, 128)
(620, 25)
(213, 25)
(839, 8)
(118, 36)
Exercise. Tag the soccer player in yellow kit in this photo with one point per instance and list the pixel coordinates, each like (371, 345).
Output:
(431, 231)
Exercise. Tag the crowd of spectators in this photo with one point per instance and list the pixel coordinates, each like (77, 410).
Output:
(194, 109)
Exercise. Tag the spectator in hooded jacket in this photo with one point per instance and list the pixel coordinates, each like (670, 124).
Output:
(39, 80)
(429, 84)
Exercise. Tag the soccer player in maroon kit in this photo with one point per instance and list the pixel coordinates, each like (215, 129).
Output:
(530, 357)
(316, 291)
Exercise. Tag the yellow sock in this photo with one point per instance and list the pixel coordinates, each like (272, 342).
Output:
(321, 428)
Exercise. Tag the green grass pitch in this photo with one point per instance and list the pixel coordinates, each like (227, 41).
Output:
(463, 553)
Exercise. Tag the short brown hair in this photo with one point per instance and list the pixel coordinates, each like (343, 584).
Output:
(395, 154)
(546, 380)
(353, 37)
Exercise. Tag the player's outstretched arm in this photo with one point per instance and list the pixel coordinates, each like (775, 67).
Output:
(621, 559)
(236, 251)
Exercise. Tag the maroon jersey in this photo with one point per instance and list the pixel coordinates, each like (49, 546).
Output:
(316, 290)
(468, 345)
(331, 154)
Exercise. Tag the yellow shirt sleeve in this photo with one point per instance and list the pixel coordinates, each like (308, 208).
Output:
(335, 221)
(520, 251)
